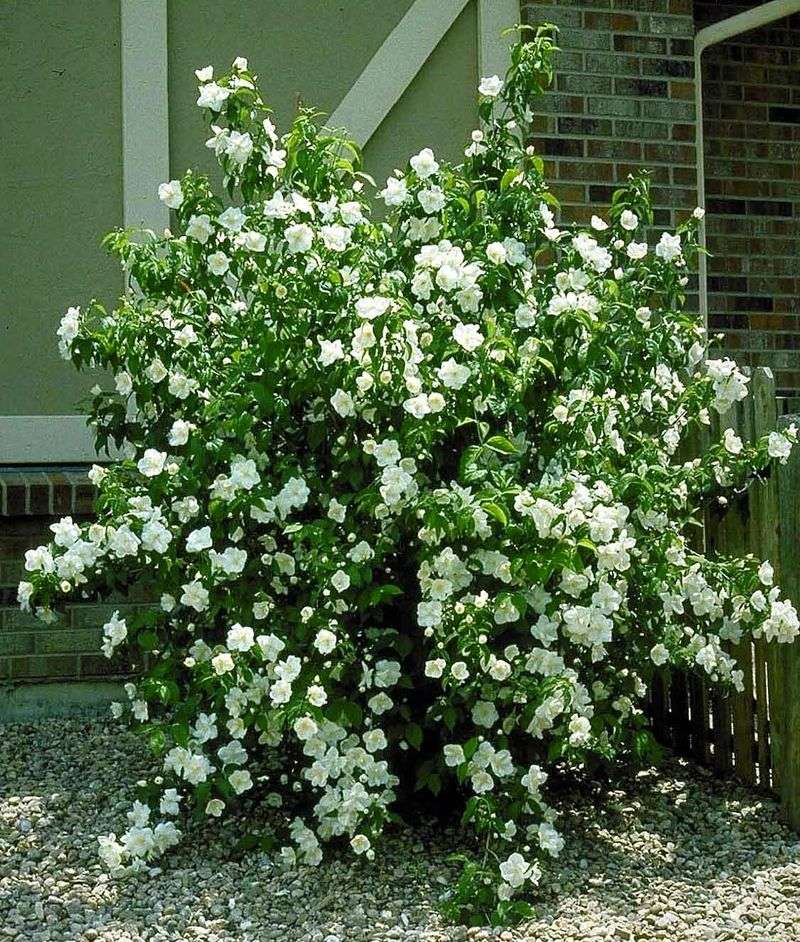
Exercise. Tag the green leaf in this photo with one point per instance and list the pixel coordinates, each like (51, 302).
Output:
(496, 511)
(502, 445)
(413, 735)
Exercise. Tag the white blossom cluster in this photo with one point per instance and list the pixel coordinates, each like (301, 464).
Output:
(407, 491)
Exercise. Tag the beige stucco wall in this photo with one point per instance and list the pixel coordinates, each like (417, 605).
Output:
(61, 157)
(60, 167)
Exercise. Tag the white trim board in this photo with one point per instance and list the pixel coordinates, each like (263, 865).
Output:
(145, 112)
(46, 439)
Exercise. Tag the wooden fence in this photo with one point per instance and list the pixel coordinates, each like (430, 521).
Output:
(754, 735)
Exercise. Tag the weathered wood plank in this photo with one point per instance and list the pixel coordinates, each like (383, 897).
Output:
(785, 659)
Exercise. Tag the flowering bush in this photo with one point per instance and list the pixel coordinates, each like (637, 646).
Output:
(408, 490)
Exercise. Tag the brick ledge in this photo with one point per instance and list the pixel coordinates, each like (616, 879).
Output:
(47, 491)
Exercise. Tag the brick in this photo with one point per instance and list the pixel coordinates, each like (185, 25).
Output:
(590, 126)
(587, 172)
(668, 25)
(614, 107)
(641, 88)
(97, 665)
(669, 111)
(16, 642)
(669, 153)
(564, 17)
(14, 618)
(585, 84)
(584, 39)
(90, 616)
(615, 149)
(599, 64)
(651, 45)
(11, 571)
(561, 147)
(646, 130)
(66, 641)
(672, 68)
(38, 667)
(643, 6)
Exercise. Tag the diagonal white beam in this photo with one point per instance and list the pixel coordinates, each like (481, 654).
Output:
(394, 65)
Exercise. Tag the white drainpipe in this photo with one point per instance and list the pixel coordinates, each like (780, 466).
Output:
(710, 36)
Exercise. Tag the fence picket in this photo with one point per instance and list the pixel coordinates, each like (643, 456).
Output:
(754, 733)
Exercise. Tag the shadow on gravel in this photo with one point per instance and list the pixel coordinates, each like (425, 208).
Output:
(668, 854)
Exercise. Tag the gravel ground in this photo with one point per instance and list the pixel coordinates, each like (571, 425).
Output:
(676, 856)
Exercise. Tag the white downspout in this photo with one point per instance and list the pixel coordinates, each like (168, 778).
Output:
(710, 36)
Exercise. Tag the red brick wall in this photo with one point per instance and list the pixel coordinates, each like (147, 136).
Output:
(624, 99)
(30, 650)
(751, 120)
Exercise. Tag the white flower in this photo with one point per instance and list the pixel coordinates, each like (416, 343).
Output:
(212, 96)
(628, 220)
(659, 654)
(299, 238)
(360, 844)
(195, 596)
(496, 253)
(732, 442)
(218, 263)
(179, 433)
(239, 146)
(214, 807)
(636, 250)
(330, 351)
(453, 375)
(151, 464)
(550, 840)
(198, 540)
(240, 638)
(372, 307)
(254, 241)
(395, 193)
(171, 194)
(240, 781)
(515, 870)
(778, 446)
(222, 663)
(325, 641)
(233, 219)
(336, 238)
(418, 406)
(669, 247)
(340, 580)
(435, 668)
(766, 574)
(491, 86)
(304, 728)
(123, 383)
(468, 336)
(432, 200)
(484, 713)
(200, 228)
(343, 403)
(374, 740)
(453, 756)
(424, 163)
